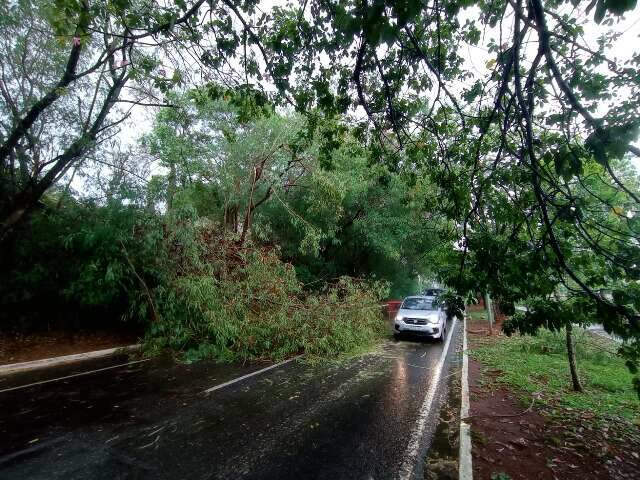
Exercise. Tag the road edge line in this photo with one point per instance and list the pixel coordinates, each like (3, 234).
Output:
(465, 467)
(252, 374)
(12, 368)
(409, 464)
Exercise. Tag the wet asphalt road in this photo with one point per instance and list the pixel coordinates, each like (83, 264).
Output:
(354, 419)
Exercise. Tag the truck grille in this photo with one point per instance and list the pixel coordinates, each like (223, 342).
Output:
(415, 321)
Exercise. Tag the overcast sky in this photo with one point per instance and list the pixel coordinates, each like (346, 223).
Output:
(476, 58)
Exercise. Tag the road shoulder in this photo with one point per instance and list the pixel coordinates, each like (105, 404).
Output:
(21, 367)
(522, 435)
(22, 347)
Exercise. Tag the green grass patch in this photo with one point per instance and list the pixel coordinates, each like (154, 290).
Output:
(478, 315)
(539, 364)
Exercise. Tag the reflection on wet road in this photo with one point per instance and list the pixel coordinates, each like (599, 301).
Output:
(352, 419)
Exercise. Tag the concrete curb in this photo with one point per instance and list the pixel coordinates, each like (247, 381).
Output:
(66, 359)
(465, 470)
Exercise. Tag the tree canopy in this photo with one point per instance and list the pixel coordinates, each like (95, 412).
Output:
(355, 135)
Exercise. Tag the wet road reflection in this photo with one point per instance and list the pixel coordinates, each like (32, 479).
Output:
(351, 419)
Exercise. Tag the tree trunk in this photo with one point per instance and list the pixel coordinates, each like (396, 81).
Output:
(19, 208)
(172, 186)
(23, 124)
(488, 304)
(152, 306)
(571, 354)
(15, 212)
(246, 223)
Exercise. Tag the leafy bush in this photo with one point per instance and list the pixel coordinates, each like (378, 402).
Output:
(453, 304)
(73, 268)
(196, 289)
(232, 302)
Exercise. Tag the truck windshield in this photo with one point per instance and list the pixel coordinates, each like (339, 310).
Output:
(418, 304)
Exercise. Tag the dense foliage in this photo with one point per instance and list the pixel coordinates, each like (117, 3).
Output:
(234, 302)
(73, 270)
(352, 137)
(247, 242)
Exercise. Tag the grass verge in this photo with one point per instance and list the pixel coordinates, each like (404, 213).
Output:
(539, 365)
(478, 315)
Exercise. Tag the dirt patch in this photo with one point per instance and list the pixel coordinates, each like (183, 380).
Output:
(19, 347)
(541, 441)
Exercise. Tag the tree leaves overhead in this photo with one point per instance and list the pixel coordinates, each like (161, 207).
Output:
(616, 7)
(611, 143)
(497, 128)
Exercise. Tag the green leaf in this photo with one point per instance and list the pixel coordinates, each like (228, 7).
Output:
(601, 9)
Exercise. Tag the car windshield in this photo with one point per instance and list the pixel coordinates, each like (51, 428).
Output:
(418, 304)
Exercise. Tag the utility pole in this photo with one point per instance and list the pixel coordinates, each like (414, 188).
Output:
(489, 307)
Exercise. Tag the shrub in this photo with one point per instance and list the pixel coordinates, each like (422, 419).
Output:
(230, 302)
(71, 268)
(453, 304)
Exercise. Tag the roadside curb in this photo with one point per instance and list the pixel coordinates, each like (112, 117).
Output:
(66, 359)
(465, 471)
